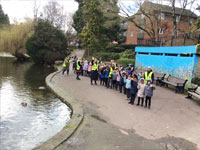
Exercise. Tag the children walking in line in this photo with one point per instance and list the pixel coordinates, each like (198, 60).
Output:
(134, 89)
(89, 69)
(101, 75)
(121, 82)
(128, 86)
(85, 67)
(106, 72)
(148, 92)
(118, 78)
(114, 79)
(140, 94)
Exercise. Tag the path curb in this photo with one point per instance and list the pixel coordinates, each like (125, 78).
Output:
(74, 122)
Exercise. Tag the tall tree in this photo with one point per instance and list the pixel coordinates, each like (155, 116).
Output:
(4, 20)
(78, 18)
(92, 35)
(47, 44)
(110, 12)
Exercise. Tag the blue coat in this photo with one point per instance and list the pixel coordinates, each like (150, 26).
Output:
(134, 88)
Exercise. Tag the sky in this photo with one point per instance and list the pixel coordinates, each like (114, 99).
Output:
(19, 9)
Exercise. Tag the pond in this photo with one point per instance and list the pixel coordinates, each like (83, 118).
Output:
(29, 113)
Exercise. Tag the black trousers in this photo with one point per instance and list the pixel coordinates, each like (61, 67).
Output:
(132, 98)
(101, 81)
(109, 82)
(114, 84)
(117, 85)
(124, 89)
(128, 92)
(95, 81)
(120, 88)
(148, 101)
(141, 102)
(65, 70)
(78, 74)
(105, 80)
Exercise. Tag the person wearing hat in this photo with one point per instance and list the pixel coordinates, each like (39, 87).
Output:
(148, 75)
(140, 93)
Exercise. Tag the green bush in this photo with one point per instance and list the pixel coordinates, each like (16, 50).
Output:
(107, 55)
(198, 48)
(47, 44)
(125, 61)
(115, 48)
(129, 53)
(196, 80)
(128, 46)
(120, 48)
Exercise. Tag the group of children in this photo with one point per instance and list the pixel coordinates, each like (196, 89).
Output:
(124, 80)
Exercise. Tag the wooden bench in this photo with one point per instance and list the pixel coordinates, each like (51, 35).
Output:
(158, 77)
(176, 82)
(195, 92)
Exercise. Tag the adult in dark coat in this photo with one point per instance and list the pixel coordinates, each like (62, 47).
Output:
(94, 73)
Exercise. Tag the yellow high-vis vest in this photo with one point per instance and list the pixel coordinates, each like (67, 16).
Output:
(95, 67)
(147, 77)
(110, 73)
(64, 65)
(77, 65)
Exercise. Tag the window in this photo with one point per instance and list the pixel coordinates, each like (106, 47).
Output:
(142, 16)
(191, 20)
(177, 18)
(175, 33)
(168, 54)
(124, 34)
(142, 53)
(131, 34)
(160, 30)
(186, 55)
(141, 31)
(158, 54)
(125, 24)
(161, 16)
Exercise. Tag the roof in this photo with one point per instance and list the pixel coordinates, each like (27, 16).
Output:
(171, 50)
(168, 9)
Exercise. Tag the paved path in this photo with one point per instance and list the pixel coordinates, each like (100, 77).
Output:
(172, 119)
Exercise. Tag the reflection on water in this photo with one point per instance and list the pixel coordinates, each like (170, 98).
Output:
(26, 127)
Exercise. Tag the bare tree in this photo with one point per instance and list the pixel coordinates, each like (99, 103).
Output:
(36, 8)
(54, 12)
(147, 18)
(70, 32)
(176, 19)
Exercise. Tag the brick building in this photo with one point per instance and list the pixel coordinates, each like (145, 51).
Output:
(158, 20)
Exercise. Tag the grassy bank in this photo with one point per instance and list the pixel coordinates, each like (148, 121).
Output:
(13, 38)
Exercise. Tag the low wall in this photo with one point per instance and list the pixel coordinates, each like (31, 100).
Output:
(76, 116)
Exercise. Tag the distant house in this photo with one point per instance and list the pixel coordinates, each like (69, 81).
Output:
(157, 19)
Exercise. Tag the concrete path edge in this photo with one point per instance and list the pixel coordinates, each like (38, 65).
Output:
(77, 116)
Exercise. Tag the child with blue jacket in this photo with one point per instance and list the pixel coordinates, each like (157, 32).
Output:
(128, 86)
(148, 92)
(134, 89)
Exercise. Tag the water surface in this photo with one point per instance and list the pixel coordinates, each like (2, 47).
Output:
(23, 128)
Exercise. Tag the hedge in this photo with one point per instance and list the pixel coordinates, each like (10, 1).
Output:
(121, 48)
(196, 80)
(129, 53)
(126, 61)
